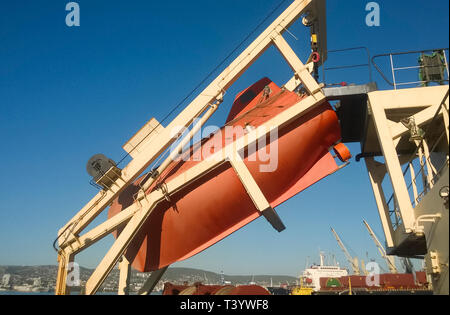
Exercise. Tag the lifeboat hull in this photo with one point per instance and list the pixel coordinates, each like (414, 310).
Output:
(216, 205)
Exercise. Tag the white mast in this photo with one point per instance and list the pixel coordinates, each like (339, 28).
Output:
(389, 259)
(352, 260)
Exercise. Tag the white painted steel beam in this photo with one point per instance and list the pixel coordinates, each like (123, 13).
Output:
(154, 148)
(257, 196)
(377, 171)
(392, 161)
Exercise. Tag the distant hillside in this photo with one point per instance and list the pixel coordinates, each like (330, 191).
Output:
(23, 274)
(175, 273)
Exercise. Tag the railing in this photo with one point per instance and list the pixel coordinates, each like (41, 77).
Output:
(423, 179)
(396, 83)
(351, 66)
(417, 189)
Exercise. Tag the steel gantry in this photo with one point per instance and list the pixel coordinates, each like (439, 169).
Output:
(404, 137)
(154, 139)
(408, 130)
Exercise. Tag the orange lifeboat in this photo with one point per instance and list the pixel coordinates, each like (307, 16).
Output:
(217, 204)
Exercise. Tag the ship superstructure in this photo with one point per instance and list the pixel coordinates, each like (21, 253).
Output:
(311, 276)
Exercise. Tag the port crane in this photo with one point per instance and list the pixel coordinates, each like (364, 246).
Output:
(354, 261)
(390, 260)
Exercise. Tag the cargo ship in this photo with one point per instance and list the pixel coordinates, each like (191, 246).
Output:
(311, 276)
(334, 280)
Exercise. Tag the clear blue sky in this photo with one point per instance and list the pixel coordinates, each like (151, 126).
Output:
(69, 93)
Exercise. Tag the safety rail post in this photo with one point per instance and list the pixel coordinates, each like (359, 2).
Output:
(413, 183)
(393, 71)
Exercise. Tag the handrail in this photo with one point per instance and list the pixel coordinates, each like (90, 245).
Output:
(428, 159)
(349, 66)
(393, 69)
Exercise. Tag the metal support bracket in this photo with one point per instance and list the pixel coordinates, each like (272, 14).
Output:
(433, 264)
(152, 281)
(256, 194)
(419, 229)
